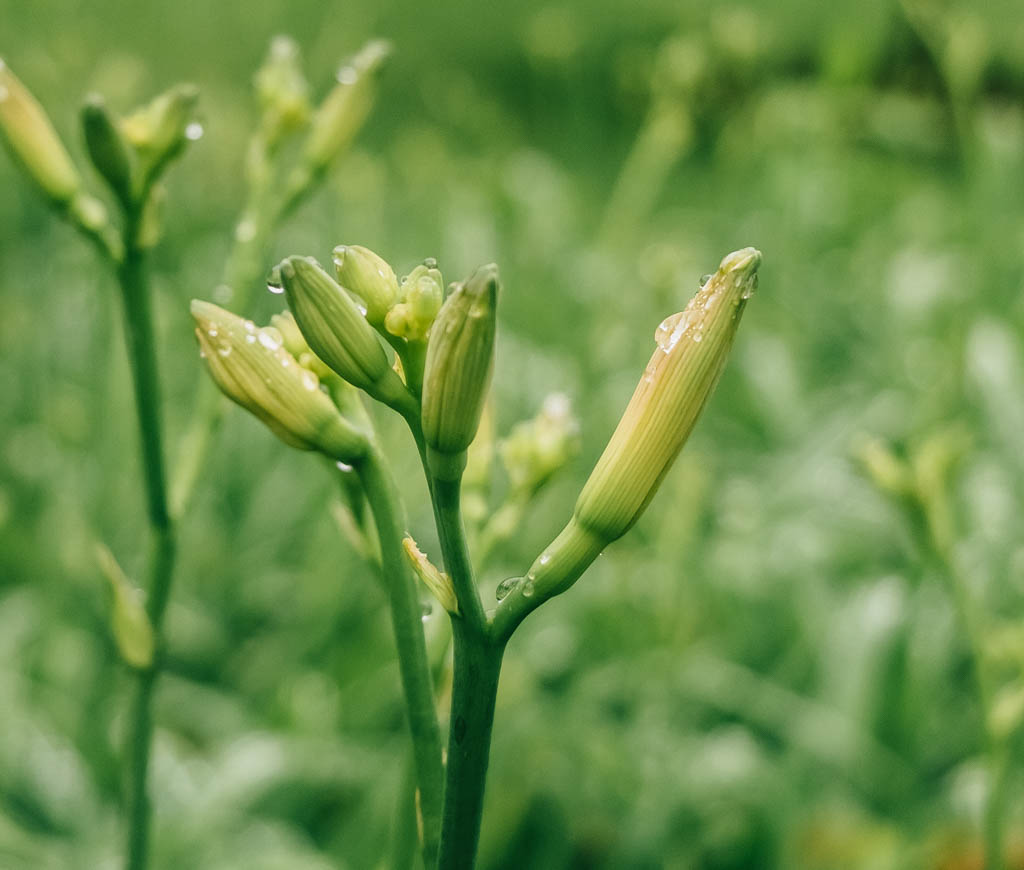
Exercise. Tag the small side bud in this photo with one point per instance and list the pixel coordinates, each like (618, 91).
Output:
(133, 632)
(368, 276)
(252, 368)
(457, 372)
(537, 448)
(33, 142)
(422, 292)
(883, 467)
(436, 581)
(337, 331)
(107, 149)
(345, 108)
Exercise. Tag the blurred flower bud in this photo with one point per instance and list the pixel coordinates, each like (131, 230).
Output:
(33, 142)
(883, 467)
(537, 448)
(160, 130)
(362, 272)
(337, 331)
(133, 632)
(107, 149)
(457, 372)
(283, 91)
(345, 108)
(253, 369)
(436, 581)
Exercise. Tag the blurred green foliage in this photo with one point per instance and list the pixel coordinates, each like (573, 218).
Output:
(767, 672)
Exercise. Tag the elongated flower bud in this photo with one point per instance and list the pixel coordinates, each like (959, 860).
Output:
(133, 632)
(252, 368)
(107, 149)
(692, 348)
(345, 108)
(283, 90)
(457, 372)
(160, 130)
(33, 142)
(362, 272)
(336, 330)
(436, 581)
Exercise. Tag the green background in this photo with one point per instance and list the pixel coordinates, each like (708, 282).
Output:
(767, 672)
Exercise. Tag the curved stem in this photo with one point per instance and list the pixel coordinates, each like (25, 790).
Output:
(406, 620)
(474, 692)
(138, 321)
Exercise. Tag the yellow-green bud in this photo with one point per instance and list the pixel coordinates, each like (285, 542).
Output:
(159, 131)
(295, 343)
(33, 142)
(283, 90)
(436, 581)
(107, 149)
(345, 108)
(883, 467)
(692, 348)
(133, 632)
(336, 330)
(252, 368)
(368, 276)
(422, 293)
(457, 372)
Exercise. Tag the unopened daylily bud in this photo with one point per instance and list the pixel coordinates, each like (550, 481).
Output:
(336, 330)
(422, 292)
(252, 368)
(368, 276)
(345, 108)
(283, 90)
(107, 149)
(537, 448)
(436, 581)
(457, 372)
(883, 467)
(692, 348)
(160, 130)
(33, 142)
(133, 632)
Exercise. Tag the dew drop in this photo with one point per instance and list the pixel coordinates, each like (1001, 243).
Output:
(269, 340)
(506, 586)
(202, 353)
(430, 263)
(212, 332)
(194, 131)
(250, 339)
(425, 610)
(343, 466)
(544, 559)
(347, 75)
(704, 280)
(224, 350)
(528, 588)
(697, 336)
(245, 231)
(276, 289)
(310, 381)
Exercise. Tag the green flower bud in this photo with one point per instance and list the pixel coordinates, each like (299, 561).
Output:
(436, 581)
(336, 330)
(362, 272)
(160, 130)
(107, 149)
(457, 372)
(345, 108)
(423, 294)
(133, 632)
(253, 369)
(283, 90)
(692, 348)
(537, 448)
(295, 343)
(33, 142)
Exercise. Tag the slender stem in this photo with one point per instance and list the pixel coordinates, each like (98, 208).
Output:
(448, 516)
(407, 622)
(475, 689)
(403, 824)
(138, 321)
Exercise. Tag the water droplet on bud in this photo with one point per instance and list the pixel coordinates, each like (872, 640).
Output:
(506, 586)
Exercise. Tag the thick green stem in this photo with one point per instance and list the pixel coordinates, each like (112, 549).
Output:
(446, 497)
(475, 689)
(138, 319)
(407, 622)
